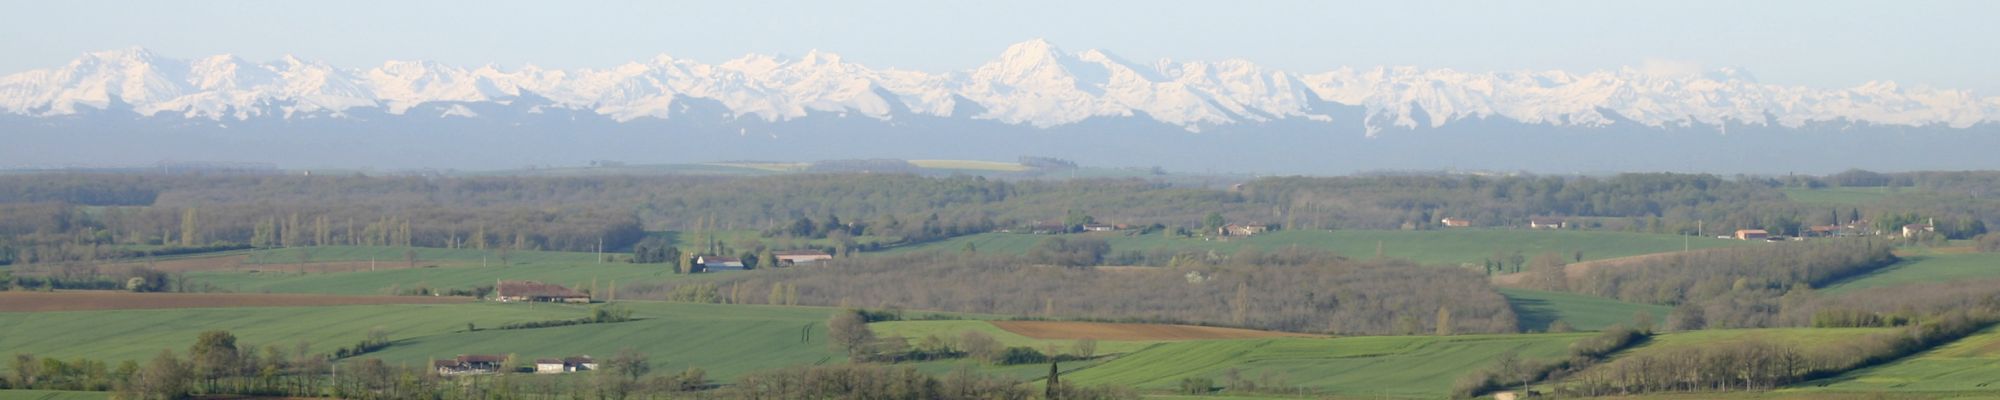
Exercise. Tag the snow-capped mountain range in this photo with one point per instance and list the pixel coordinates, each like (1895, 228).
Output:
(1032, 83)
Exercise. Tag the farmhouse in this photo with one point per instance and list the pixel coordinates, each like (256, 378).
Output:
(1752, 234)
(1455, 222)
(796, 257)
(1245, 230)
(512, 291)
(468, 364)
(562, 365)
(1547, 223)
(715, 263)
(1100, 227)
(1823, 231)
(1912, 230)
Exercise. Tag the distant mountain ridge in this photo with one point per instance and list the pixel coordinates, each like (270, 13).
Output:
(132, 107)
(1033, 83)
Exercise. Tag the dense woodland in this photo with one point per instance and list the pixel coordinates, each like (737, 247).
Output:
(1290, 290)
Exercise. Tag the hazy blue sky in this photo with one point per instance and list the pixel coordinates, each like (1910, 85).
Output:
(1805, 42)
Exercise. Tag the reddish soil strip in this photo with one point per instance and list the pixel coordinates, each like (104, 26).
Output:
(1116, 331)
(107, 300)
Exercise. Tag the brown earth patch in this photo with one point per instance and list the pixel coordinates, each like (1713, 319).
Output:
(1064, 330)
(109, 300)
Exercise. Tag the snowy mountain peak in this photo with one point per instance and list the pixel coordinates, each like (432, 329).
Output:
(1033, 82)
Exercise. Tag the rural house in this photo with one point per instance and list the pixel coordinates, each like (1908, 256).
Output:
(716, 263)
(1244, 230)
(1547, 223)
(1100, 227)
(468, 364)
(1752, 234)
(513, 291)
(1455, 222)
(1912, 230)
(562, 365)
(796, 257)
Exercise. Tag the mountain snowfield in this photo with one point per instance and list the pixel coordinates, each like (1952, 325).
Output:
(1032, 83)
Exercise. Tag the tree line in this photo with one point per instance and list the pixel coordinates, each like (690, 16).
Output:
(1291, 290)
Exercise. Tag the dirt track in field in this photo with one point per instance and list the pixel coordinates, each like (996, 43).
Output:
(108, 300)
(1116, 331)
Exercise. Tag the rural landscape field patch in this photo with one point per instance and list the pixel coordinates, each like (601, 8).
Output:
(11, 301)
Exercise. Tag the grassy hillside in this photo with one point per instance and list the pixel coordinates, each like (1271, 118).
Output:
(425, 255)
(389, 281)
(140, 334)
(52, 395)
(1970, 364)
(1395, 366)
(1431, 247)
(1537, 309)
(915, 330)
(1928, 268)
(725, 340)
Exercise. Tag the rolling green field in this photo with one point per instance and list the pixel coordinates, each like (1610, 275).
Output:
(425, 255)
(1927, 268)
(51, 395)
(1840, 196)
(1537, 309)
(915, 330)
(118, 335)
(725, 340)
(1388, 366)
(1970, 364)
(390, 281)
(1450, 247)
(1803, 337)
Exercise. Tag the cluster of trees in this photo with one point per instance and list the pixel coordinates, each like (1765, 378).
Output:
(214, 364)
(600, 314)
(1292, 290)
(847, 330)
(889, 382)
(90, 276)
(1510, 370)
(1700, 275)
(1756, 364)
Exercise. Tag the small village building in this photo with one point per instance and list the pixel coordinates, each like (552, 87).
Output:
(1245, 230)
(1547, 223)
(1752, 234)
(517, 291)
(718, 263)
(1823, 231)
(1912, 230)
(1455, 222)
(796, 257)
(564, 365)
(1100, 227)
(473, 364)
(549, 366)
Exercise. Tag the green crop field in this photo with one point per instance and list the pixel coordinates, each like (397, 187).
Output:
(725, 340)
(425, 255)
(1537, 309)
(1970, 364)
(1927, 268)
(1802, 337)
(1450, 247)
(1389, 366)
(915, 330)
(118, 335)
(1854, 196)
(52, 395)
(390, 281)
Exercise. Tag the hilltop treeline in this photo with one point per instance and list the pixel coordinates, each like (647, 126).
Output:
(1289, 290)
(1693, 276)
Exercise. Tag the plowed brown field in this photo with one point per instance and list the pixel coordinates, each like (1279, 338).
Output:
(106, 300)
(1116, 331)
